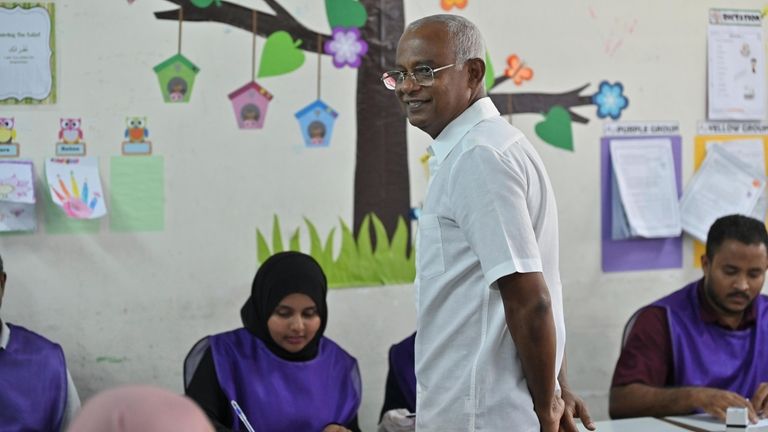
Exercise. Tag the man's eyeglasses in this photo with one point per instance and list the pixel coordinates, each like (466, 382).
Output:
(422, 75)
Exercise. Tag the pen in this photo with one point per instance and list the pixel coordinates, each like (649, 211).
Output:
(242, 416)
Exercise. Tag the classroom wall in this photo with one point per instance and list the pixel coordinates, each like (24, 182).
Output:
(126, 307)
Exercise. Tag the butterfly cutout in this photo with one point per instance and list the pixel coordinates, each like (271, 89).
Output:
(517, 70)
(450, 4)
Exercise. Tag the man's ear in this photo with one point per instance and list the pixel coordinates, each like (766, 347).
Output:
(476, 70)
(704, 263)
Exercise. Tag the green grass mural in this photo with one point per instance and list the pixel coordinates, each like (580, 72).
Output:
(357, 263)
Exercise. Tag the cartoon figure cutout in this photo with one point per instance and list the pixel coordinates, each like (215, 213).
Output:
(8, 145)
(136, 134)
(70, 138)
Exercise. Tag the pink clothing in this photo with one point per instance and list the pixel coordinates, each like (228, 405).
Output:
(140, 409)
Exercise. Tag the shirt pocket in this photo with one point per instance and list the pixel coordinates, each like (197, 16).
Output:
(430, 248)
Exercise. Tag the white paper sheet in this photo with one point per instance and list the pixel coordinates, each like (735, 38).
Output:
(736, 66)
(75, 186)
(17, 196)
(752, 153)
(722, 186)
(708, 423)
(645, 173)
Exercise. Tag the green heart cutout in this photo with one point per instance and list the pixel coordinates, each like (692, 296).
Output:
(281, 55)
(555, 129)
(205, 3)
(489, 74)
(345, 13)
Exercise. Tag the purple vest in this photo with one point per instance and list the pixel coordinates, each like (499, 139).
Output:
(402, 365)
(706, 355)
(278, 395)
(33, 383)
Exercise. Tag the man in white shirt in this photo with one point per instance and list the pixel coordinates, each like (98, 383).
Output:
(491, 335)
(36, 389)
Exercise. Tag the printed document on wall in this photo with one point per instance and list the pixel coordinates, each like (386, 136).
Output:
(723, 185)
(752, 153)
(736, 66)
(17, 196)
(644, 170)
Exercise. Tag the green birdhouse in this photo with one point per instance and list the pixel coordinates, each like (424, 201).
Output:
(176, 76)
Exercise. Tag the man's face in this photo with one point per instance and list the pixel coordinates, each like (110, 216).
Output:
(734, 276)
(431, 108)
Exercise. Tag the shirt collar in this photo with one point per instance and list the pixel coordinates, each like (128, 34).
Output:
(709, 315)
(481, 110)
(5, 334)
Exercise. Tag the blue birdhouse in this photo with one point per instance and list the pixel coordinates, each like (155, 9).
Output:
(316, 122)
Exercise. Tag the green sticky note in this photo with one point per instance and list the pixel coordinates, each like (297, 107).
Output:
(56, 222)
(556, 129)
(345, 13)
(281, 55)
(137, 193)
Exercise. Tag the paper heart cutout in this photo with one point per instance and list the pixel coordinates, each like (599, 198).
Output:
(345, 13)
(281, 55)
(556, 129)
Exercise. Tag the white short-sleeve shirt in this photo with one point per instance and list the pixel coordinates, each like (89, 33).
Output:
(489, 212)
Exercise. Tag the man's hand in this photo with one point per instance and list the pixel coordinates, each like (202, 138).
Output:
(574, 408)
(397, 420)
(335, 428)
(715, 402)
(549, 416)
(760, 400)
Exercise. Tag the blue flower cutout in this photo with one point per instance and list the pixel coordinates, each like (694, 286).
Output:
(610, 100)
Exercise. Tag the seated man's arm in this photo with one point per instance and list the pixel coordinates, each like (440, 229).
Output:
(528, 311)
(642, 382)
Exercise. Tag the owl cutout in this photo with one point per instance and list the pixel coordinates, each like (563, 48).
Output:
(8, 145)
(136, 134)
(70, 138)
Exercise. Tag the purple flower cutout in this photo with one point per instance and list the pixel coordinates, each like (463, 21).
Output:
(610, 100)
(347, 47)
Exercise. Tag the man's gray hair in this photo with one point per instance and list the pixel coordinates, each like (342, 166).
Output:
(465, 36)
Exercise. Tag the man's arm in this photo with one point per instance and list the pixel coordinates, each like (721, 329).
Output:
(641, 400)
(528, 311)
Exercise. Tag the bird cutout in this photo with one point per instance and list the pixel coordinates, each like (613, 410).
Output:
(517, 70)
(70, 132)
(7, 132)
(450, 4)
(75, 204)
(136, 129)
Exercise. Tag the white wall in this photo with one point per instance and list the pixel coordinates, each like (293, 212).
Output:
(127, 307)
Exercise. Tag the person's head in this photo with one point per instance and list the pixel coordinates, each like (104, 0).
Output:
(140, 409)
(432, 98)
(287, 309)
(734, 263)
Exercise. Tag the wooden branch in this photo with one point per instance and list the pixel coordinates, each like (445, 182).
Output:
(241, 17)
(519, 103)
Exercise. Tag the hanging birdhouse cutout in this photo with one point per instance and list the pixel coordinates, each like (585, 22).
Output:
(316, 122)
(250, 103)
(176, 76)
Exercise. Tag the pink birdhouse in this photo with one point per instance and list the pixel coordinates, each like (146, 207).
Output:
(250, 104)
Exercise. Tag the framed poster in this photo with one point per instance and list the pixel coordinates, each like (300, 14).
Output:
(27, 53)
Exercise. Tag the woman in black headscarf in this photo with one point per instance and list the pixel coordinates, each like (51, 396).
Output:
(278, 368)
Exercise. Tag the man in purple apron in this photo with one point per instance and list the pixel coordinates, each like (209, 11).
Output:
(36, 391)
(703, 348)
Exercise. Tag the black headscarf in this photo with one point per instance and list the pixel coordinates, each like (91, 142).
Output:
(280, 275)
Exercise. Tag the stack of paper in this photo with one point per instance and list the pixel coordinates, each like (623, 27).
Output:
(17, 196)
(644, 191)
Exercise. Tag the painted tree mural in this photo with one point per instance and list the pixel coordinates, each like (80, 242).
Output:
(381, 182)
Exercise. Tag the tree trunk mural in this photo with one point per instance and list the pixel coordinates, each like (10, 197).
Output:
(382, 182)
